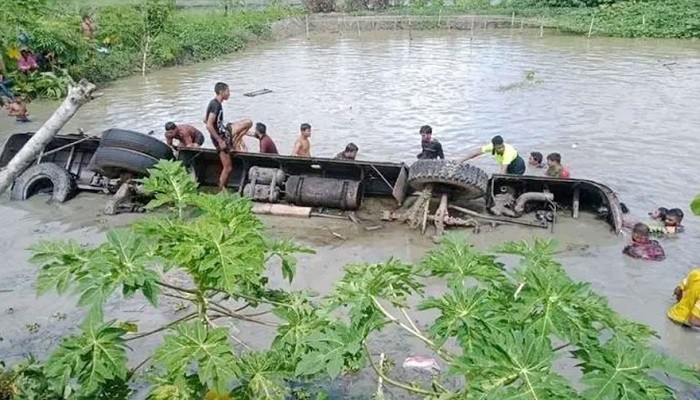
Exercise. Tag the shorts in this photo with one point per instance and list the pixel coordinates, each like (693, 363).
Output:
(199, 138)
(517, 166)
(227, 138)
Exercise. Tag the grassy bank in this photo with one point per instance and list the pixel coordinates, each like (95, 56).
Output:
(650, 18)
(128, 39)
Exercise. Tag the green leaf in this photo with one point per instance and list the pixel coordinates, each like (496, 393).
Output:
(286, 250)
(170, 184)
(695, 205)
(196, 343)
(60, 262)
(457, 261)
(330, 351)
(262, 376)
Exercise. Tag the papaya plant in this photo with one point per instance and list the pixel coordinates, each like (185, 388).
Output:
(499, 329)
(695, 205)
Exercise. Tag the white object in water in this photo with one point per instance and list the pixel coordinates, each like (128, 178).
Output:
(575, 145)
(424, 363)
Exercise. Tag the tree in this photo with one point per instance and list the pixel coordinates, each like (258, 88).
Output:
(510, 325)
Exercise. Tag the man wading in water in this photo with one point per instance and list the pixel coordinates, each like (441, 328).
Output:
(505, 155)
(221, 134)
(432, 149)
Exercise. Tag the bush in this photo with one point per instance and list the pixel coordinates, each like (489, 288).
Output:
(319, 6)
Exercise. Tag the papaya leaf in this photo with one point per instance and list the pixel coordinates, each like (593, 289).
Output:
(466, 313)
(300, 318)
(456, 260)
(517, 364)
(61, 262)
(695, 205)
(330, 349)
(207, 348)
(285, 250)
(170, 184)
(262, 376)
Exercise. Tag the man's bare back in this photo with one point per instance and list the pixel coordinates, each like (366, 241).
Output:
(302, 147)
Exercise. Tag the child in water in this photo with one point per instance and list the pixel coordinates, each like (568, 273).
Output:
(671, 220)
(642, 247)
(16, 108)
(686, 311)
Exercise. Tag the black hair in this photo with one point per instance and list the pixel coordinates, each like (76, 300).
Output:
(641, 228)
(496, 141)
(260, 128)
(426, 130)
(675, 212)
(305, 127)
(624, 208)
(537, 156)
(220, 87)
(169, 126)
(554, 157)
(351, 148)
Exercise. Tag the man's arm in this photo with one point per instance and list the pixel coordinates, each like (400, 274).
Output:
(440, 154)
(475, 152)
(169, 138)
(504, 169)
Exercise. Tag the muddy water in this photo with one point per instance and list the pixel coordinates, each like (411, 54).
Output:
(622, 112)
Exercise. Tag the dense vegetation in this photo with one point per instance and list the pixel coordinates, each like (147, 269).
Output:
(499, 330)
(130, 38)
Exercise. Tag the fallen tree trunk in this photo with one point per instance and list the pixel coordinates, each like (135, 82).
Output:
(77, 96)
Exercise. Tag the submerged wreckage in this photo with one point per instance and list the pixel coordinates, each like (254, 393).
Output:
(108, 163)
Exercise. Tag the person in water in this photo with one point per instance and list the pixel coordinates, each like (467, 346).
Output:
(16, 108)
(349, 153)
(686, 311)
(642, 247)
(302, 146)
(505, 155)
(432, 149)
(220, 136)
(267, 146)
(555, 169)
(535, 160)
(186, 135)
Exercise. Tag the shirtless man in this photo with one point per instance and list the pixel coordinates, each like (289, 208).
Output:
(302, 146)
(186, 135)
(16, 108)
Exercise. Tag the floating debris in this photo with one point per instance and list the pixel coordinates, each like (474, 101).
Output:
(424, 363)
(529, 80)
(257, 92)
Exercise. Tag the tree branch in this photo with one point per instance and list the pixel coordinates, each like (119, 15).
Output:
(162, 328)
(442, 352)
(392, 382)
(179, 289)
(225, 311)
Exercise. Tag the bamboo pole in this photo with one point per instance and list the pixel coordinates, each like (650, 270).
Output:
(307, 26)
(590, 28)
(512, 20)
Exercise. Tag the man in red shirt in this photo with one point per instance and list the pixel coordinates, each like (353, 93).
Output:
(267, 146)
(556, 170)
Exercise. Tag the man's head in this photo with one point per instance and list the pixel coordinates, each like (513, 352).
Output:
(640, 232)
(674, 217)
(351, 151)
(426, 133)
(554, 159)
(535, 158)
(170, 127)
(24, 53)
(260, 130)
(498, 146)
(305, 130)
(659, 214)
(222, 91)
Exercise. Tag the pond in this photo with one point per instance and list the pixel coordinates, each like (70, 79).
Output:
(622, 112)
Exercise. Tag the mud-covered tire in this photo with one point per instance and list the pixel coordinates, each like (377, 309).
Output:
(113, 162)
(450, 177)
(44, 177)
(136, 141)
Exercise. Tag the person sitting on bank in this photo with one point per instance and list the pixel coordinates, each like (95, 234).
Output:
(349, 153)
(686, 311)
(555, 169)
(186, 135)
(267, 146)
(17, 109)
(505, 155)
(432, 149)
(535, 160)
(27, 62)
(642, 247)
